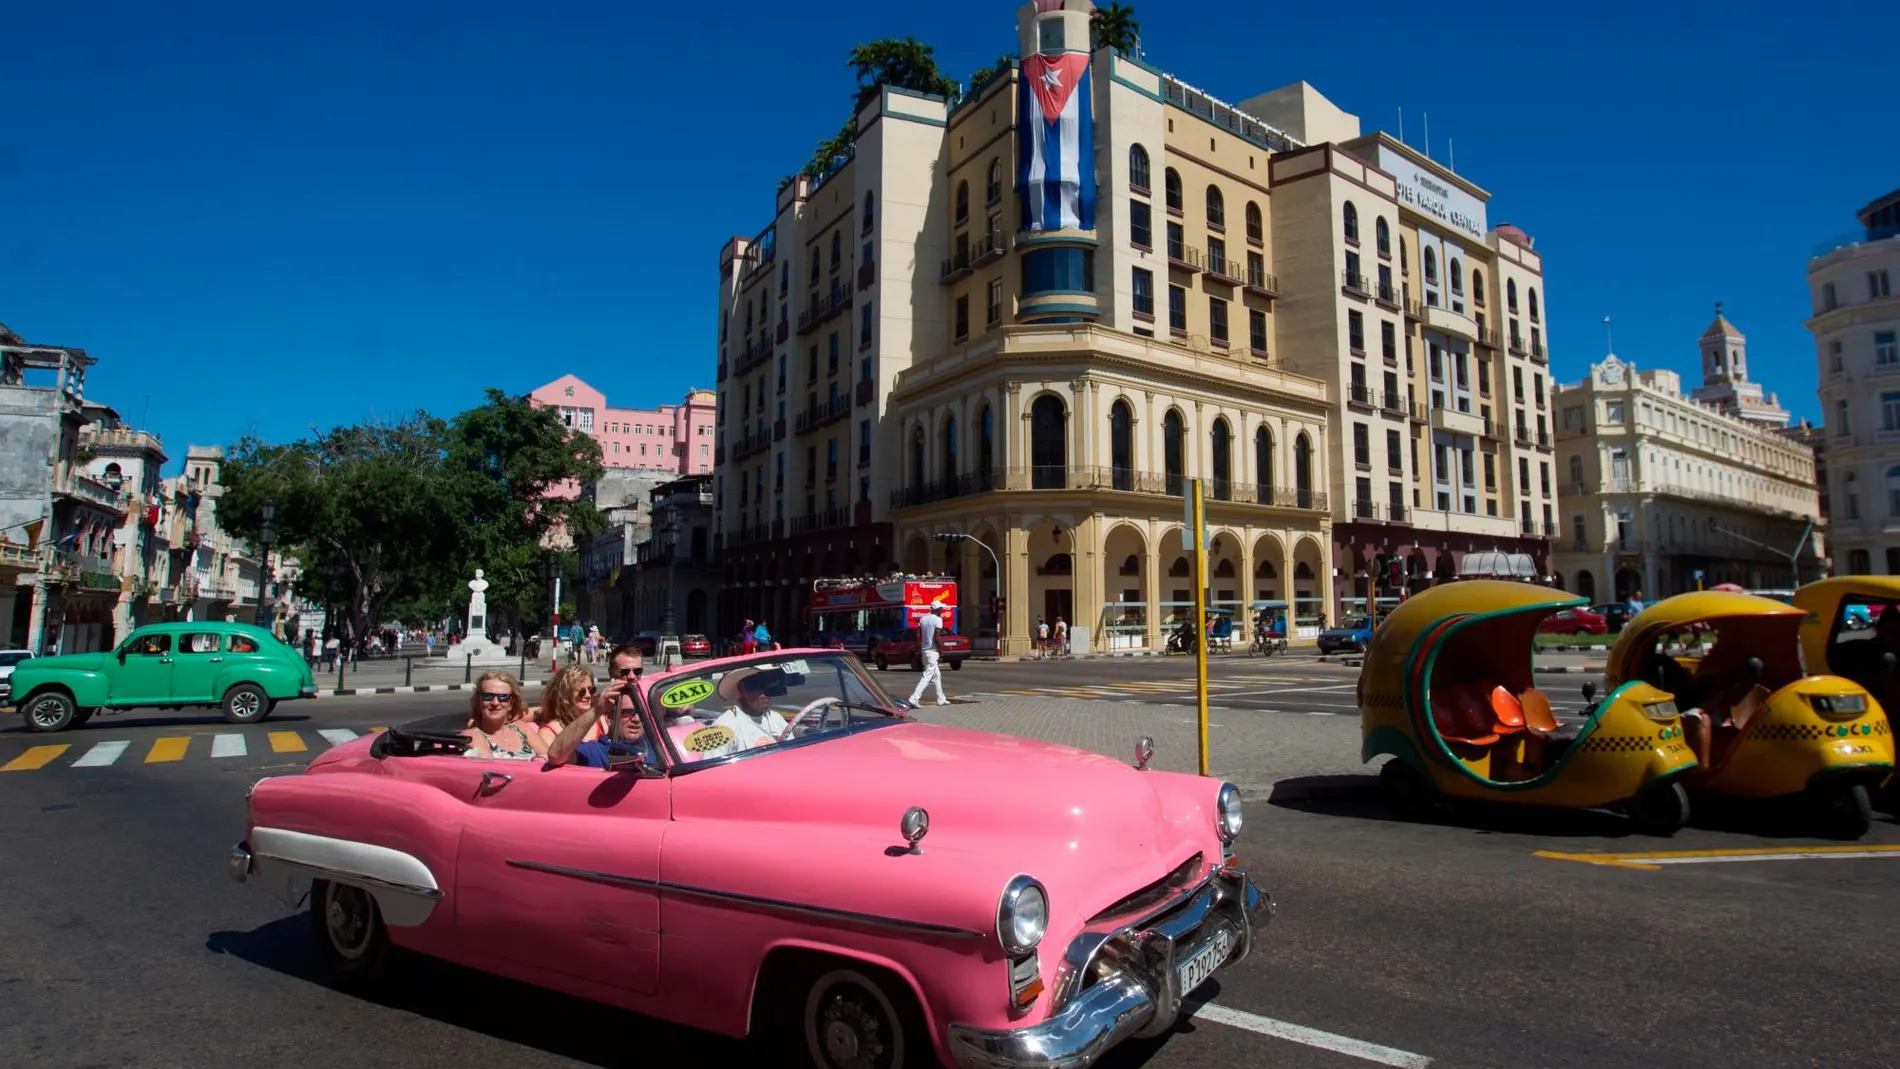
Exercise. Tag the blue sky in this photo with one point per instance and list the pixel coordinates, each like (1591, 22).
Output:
(262, 222)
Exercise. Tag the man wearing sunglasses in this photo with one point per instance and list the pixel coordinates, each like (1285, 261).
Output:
(625, 665)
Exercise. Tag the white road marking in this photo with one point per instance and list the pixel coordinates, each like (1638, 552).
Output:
(227, 746)
(1310, 1037)
(101, 755)
(337, 736)
(1772, 856)
(1316, 690)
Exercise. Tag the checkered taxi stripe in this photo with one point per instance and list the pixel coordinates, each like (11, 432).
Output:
(172, 749)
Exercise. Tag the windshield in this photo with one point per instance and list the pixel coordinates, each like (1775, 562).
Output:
(1356, 623)
(740, 705)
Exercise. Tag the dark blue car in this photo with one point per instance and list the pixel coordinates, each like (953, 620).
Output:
(1349, 637)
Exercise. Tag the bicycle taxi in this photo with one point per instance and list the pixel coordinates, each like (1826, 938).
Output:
(1759, 725)
(1852, 629)
(1269, 628)
(1447, 691)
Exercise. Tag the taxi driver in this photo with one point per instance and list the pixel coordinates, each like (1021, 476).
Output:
(751, 718)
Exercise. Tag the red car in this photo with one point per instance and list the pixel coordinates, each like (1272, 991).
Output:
(695, 646)
(1575, 622)
(901, 647)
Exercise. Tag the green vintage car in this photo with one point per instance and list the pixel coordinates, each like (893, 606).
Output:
(241, 668)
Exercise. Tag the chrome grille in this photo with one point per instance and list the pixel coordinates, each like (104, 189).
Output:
(1155, 894)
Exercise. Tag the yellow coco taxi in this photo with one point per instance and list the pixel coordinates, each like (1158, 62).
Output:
(1446, 690)
(1760, 726)
(1853, 630)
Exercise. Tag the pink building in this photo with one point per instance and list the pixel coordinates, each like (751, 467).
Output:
(671, 438)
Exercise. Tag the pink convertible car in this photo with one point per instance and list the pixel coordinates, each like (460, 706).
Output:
(867, 889)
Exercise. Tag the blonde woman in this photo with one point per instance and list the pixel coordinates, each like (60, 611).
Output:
(568, 697)
(497, 726)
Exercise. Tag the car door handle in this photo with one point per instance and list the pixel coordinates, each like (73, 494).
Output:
(214, 658)
(164, 660)
(495, 781)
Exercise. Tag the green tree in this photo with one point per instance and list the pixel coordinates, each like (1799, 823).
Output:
(1115, 27)
(982, 76)
(832, 149)
(905, 63)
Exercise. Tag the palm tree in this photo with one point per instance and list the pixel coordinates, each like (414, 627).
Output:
(1115, 27)
(905, 63)
(982, 76)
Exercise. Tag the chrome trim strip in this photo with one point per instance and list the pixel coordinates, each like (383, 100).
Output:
(344, 875)
(871, 920)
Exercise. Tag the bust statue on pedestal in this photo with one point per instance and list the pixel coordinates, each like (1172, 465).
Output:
(476, 646)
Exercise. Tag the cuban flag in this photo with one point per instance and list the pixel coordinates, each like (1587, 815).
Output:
(1056, 143)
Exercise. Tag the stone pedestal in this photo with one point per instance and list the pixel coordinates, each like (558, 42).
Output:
(475, 645)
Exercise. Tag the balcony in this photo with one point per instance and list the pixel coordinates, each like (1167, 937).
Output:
(1226, 269)
(1394, 403)
(1415, 411)
(1354, 285)
(1361, 395)
(1517, 345)
(1523, 435)
(121, 438)
(1451, 322)
(1364, 510)
(984, 250)
(14, 555)
(1543, 440)
(1457, 422)
(1538, 356)
(1387, 296)
(824, 520)
(1116, 480)
(825, 308)
(866, 392)
(867, 274)
(1550, 530)
(1263, 282)
(1185, 257)
(750, 446)
(757, 353)
(90, 490)
(824, 413)
(1487, 338)
(1397, 512)
(722, 370)
(946, 489)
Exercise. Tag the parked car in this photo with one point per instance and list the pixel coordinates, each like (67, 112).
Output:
(941, 894)
(1350, 636)
(1615, 615)
(900, 647)
(243, 669)
(8, 660)
(1574, 622)
(695, 646)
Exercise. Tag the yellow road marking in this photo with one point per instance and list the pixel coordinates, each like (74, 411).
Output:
(377, 731)
(1656, 859)
(286, 742)
(34, 757)
(167, 750)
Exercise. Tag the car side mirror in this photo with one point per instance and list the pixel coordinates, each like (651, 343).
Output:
(1888, 662)
(1755, 669)
(1590, 691)
(122, 655)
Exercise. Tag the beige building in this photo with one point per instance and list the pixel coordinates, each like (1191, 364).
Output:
(1856, 327)
(1310, 319)
(1658, 487)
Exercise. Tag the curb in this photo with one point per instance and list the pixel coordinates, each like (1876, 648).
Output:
(1605, 650)
(349, 692)
(1565, 670)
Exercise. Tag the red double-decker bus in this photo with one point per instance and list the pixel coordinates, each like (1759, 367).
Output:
(857, 614)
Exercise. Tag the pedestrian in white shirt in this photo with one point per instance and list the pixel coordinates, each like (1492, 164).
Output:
(928, 625)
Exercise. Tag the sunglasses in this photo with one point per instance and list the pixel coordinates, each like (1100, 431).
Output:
(630, 673)
(489, 696)
(584, 692)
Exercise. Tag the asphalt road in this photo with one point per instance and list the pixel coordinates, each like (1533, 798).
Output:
(123, 943)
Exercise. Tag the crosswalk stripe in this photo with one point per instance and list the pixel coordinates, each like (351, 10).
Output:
(286, 742)
(34, 757)
(167, 750)
(337, 736)
(228, 745)
(101, 754)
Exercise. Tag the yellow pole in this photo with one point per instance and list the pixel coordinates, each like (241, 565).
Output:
(1200, 614)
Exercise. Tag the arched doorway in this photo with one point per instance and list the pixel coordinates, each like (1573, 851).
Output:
(1268, 558)
(1586, 584)
(1308, 562)
(1628, 583)
(1051, 573)
(1125, 610)
(916, 556)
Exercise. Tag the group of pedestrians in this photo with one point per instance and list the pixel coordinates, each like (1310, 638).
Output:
(1051, 641)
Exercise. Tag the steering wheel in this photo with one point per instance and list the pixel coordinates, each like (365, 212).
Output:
(826, 702)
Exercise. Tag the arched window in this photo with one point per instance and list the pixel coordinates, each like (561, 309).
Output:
(1138, 167)
(1586, 585)
(1303, 471)
(1383, 234)
(917, 469)
(993, 186)
(1477, 288)
(1531, 295)
(1431, 266)
(1172, 181)
(1216, 207)
(1510, 294)
(1405, 262)
(1457, 271)
(1121, 444)
(1351, 217)
(870, 210)
(1174, 451)
(947, 448)
(1048, 452)
(1256, 231)
(784, 276)
(1223, 461)
(986, 441)
(837, 248)
(1263, 464)
(963, 201)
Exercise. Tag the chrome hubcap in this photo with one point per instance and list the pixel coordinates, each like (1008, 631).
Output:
(840, 1042)
(245, 704)
(855, 1035)
(47, 712)
(347, 917)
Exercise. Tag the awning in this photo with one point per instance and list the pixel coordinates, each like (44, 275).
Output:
(1498, 565)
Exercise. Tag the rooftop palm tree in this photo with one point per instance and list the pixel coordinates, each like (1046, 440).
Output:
(1115, 27)
(905, 63)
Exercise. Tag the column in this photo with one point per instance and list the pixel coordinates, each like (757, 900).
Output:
(1245, 591)
(1087, 580)
(1016, 426)
(1016, 587)
(1151, 586)
(36, 618)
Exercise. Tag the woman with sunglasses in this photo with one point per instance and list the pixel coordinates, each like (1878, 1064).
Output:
(568, 697)
(496, 714)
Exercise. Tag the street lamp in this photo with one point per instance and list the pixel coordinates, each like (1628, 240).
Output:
(266, 534)
(670, 528)
(958, 536)
(551, 574)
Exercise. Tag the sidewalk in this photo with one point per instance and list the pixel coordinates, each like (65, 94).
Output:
(1252, 748)
(388, 675)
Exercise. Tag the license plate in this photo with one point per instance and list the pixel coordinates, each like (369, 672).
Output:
(1195, 971)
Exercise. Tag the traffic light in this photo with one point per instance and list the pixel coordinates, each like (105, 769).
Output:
(1395, 571)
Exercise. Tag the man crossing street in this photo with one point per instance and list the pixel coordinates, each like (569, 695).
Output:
(927, 627)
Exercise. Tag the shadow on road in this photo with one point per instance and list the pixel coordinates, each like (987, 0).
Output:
(1359, 797)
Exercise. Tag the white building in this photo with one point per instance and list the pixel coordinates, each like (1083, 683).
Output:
(1856, 327)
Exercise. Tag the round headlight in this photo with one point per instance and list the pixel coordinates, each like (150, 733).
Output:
(1228, 821)
(1023, 915)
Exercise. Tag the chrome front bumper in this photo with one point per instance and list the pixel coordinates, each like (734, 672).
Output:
(1139, 995)
(307, 692)
(238, 862)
